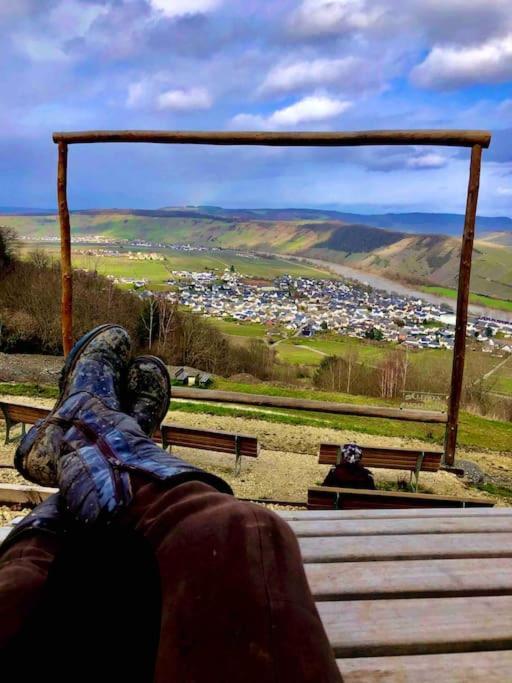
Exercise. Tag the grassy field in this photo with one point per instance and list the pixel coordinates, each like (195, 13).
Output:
(158, 271)
(474, 431)
(254, 330)
(500, 304)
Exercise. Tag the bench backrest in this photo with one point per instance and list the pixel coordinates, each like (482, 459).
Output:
(17, 412)
(334, 498)
(174, 435)
(388, 458)
(222, 442)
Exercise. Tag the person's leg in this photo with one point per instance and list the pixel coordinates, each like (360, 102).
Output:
(24, 570)
(236, 605)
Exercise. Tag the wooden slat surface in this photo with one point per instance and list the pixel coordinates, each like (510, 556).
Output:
(405, 547)
(390, 458)
(409, 513)
(466, 667)
(429, 525)
(392, 627)
(24, 494)
(416, 578)
(330, 497)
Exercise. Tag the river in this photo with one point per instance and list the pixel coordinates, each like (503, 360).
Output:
(384, 283)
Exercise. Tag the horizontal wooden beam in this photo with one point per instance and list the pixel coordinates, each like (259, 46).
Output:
(309, 405)
(23, 494)
(450, 138)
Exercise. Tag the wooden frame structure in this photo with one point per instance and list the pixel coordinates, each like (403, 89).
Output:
(475, 139)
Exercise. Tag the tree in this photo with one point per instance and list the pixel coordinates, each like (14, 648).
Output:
(8, 247)
(374, 334)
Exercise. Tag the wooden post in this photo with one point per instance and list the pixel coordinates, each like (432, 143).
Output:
(459, 349)
(66, 309)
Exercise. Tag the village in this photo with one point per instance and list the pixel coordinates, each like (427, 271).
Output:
(306, 307)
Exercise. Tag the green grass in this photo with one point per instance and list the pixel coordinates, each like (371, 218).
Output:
(158, 271)
(239, 329)
(495, 490)
(491, 302)
(474, 432)
(31, 390)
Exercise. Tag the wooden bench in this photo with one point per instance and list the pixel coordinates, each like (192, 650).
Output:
(410, 459)
(337, 498)
(239, 445)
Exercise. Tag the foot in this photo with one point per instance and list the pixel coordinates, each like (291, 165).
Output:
(96, 365)
(101, 450)
(148, 392)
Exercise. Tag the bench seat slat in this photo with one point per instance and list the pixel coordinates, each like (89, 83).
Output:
(371, 628)
(390, 513)
(416, 578)
(427, 546)
(373, 527)
(327, 497)
(464, 667)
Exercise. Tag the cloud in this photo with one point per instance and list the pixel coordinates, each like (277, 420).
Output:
(426, 160)
(454, 67)
(185, 100)
(180, 8)
(332, 17)
(312, 109)
(504, 191)
(349, 73)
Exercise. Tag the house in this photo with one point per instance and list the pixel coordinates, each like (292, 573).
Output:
(189, 377)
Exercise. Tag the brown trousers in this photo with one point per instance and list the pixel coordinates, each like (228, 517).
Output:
(208, 588)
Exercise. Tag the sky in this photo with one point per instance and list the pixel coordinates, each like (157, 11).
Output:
(255, 65)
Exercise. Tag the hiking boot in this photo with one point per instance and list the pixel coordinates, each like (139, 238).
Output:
(101, 449)
(147, 392)
(49, 518)
(96, 365)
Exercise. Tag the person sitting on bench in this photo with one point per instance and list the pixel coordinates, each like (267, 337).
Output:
(348, 471)
(144, 567)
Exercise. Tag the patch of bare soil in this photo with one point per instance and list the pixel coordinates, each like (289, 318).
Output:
(31, 368)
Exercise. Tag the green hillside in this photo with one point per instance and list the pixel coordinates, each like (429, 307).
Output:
(428, 259)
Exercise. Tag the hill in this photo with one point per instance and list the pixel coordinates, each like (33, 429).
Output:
(413, 254)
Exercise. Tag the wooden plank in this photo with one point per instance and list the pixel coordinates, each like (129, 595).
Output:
(23, 494)
(459, 347)
(451, 138)
(371, 628)
(390, 513)
(427, 416)
(20, 412)
(331, 497)
(378, 527)
(404, 547)
(390, 458)
(413, 579)
(466, 667)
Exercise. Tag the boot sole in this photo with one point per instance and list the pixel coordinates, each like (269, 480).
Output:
(163, 369)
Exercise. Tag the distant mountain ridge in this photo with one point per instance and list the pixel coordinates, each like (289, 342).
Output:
(412, 222)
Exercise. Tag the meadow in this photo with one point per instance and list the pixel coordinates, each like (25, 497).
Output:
(478, 299)
(157, 272)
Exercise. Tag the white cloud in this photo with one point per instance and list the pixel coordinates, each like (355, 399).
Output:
(39, 49)
(452, 67)
(326, 17)
(349, 72)
(312, 109)
(185, 100)
(179, 8)
(426, 161)
(504, 191)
